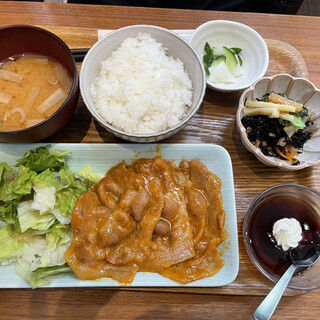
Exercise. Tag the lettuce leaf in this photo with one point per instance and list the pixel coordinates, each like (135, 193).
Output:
(67, 199)
(88, 174)
(70, 190)
(41, 159)
(36, 253)
(44, 199)
(50, 271)
(46, 178)
(38, 277)
(61, 218)
(37, 201)
(19, 186)
(13, 187)
(22, 268)
(54, 257)
(7, 174)
(8, 212)
(30, 218)
(59, 234)
(10, 247)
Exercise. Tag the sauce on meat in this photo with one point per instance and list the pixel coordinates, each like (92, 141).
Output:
(150, 216)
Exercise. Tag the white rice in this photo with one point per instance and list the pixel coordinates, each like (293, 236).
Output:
(141, 89)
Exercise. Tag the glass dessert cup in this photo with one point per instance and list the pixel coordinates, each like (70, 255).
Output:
(257, 230)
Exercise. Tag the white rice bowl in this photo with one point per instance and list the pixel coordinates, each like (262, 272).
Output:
(140, 89)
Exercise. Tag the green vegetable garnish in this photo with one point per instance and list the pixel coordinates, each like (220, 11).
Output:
(88, 174)
(265, 97)
(41, 159)
(298, 123)
(236, 50)
(303, 112)
(213, 56)
(10, 247)
(207, 58)
(69, 191)
(19, 185)
(36, 203)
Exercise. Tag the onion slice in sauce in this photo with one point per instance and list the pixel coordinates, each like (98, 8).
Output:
(10, 76)
(31, 98)
(22, 113)
(5, 98)
(53, 82)
(6, 115)
(54, 98)
(62, 77)
(39, 60)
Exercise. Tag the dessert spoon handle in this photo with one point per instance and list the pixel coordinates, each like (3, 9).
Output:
(270, 302)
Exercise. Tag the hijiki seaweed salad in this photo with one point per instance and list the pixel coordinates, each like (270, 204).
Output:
(278, 126)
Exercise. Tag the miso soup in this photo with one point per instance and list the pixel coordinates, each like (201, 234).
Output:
(32, 88)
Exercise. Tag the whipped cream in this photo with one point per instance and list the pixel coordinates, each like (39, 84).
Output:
(287, 233)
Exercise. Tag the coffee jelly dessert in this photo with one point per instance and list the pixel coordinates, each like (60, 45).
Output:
(280, 224)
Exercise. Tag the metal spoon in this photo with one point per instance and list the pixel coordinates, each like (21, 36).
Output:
(270, 302)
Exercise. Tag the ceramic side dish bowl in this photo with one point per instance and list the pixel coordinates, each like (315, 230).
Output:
(20, 39)
(254, 55)
(284, 201)
(297, 89)
(177, 47)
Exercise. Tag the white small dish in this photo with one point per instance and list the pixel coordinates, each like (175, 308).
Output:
(296, 89)
(255, 54)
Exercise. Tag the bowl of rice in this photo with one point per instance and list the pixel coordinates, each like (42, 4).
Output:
(142, 83)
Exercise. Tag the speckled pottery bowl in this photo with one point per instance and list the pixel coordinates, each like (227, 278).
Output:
(296, 89)
(177, 48)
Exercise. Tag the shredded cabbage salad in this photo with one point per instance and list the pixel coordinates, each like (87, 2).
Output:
(37, 197)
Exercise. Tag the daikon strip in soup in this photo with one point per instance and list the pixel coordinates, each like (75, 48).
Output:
(32, 88)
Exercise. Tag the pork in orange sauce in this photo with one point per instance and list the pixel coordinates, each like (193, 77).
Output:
(150, 216)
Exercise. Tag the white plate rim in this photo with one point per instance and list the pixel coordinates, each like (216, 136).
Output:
(221, 166)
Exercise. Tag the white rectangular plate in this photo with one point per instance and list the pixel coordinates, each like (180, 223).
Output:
(101, 157)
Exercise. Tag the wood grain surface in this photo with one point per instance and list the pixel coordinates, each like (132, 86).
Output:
(293, 42)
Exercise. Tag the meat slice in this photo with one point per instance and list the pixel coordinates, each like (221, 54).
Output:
(84, 256)
(162, 228)
(152, 214)
(115, 228)
(206, 215)
(202, 265)
(203, 179)
(177, 245)
(108, 192)
(197, 206)
(140, 203)
(149, 216)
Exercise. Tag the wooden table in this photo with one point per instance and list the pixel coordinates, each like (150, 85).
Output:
(214, 123)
